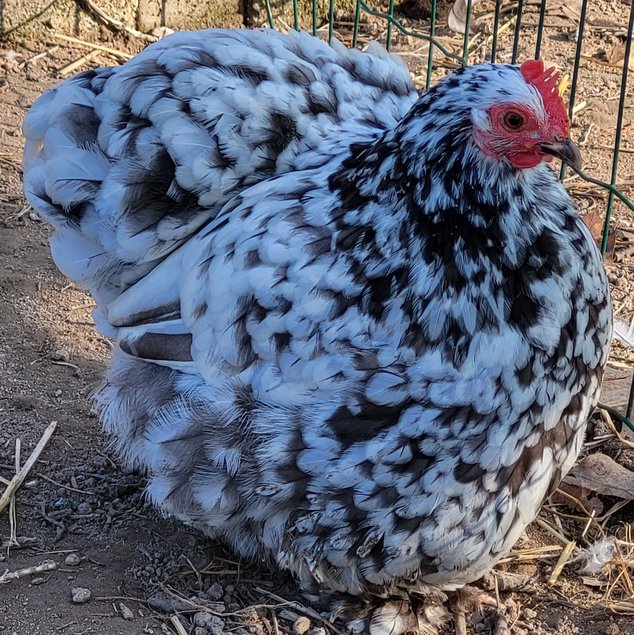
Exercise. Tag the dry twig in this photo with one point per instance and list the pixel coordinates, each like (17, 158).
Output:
(300, 608)
(13, 514)
(80, 61)
(607, 418)
(67, 364)
(18, 479)
(176, 623)
(91, 45)
(47, 565)
(535, 553)
(551, 530)
(38, 56)
(561, 563)
(103, 17)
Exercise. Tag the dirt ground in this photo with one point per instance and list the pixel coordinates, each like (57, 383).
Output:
(84, 522)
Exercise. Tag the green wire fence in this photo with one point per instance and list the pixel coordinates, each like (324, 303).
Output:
(322, 19)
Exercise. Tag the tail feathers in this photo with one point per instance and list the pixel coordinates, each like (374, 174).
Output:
(63, 165)
(52, 106)
(115, 219)
(128, 163)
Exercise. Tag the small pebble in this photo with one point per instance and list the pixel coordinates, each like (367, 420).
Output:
(72, 560)
(126, 612)
(216, 626)
(301, 625)
(215, 591)
(202, 619)
(60, 355)
(37, 581)
(58, 393)
(80, 595)
(529, 614)
(84, 508)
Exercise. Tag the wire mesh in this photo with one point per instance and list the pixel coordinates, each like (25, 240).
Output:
(475, 48)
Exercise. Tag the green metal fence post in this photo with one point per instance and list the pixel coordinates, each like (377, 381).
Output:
(496, 28)
(518, 27)
(430, 53)
(617, 140)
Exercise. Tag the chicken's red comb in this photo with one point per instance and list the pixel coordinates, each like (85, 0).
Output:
(546, 81)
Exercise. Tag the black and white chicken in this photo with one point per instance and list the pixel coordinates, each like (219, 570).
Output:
(359, 332)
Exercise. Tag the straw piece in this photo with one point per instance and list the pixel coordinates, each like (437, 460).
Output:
(18, 479)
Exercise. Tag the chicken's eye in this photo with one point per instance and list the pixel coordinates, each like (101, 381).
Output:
(513, 120)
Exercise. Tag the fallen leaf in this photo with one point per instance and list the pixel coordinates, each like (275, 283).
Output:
(616, 55)
(595, 220)
(615, 390)
(603, 475)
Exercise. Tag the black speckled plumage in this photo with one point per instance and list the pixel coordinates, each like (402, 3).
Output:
(349, 340)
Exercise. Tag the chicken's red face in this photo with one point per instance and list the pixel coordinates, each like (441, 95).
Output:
(527, 131)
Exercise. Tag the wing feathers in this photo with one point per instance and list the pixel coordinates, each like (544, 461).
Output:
(157, 347)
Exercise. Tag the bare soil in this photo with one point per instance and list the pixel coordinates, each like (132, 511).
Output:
(147, 574)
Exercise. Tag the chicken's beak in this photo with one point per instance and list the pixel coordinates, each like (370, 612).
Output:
(565, 149)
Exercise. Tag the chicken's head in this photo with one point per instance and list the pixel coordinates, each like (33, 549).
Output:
(528, 122)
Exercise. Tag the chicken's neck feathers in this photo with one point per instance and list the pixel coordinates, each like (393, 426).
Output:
(434, 179)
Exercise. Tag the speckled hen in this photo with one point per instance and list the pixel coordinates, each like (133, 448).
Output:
(359, 332)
